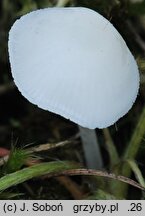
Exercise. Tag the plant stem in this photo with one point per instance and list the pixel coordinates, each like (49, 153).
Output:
(32, 172)
(91, 148)
(114, 157)
(62, 3)
(134, 167)
(136, 138)
(130, 154)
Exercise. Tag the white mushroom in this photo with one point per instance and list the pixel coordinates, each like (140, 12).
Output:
(73, 62)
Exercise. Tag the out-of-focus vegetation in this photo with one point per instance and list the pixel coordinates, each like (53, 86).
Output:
(23, 126)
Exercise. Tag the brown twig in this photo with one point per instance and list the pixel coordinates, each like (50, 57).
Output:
(43, 147)
(90, 172)
(48, 146)
(71, 186)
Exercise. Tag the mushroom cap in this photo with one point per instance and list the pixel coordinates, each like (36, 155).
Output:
(73, 62)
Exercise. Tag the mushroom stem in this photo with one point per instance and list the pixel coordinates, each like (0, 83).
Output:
(91, 148)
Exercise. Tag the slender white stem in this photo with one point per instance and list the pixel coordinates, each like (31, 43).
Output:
(91, 148)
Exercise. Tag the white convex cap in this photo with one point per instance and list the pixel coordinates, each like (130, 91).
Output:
(73, 62)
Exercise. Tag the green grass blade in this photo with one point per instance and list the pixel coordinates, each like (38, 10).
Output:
(136, 171)
(113, 154)
(32, 172)
(130, 154)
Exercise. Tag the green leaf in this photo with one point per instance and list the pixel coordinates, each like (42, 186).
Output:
(114, 157)
(32, 172)
(9, 195)
(136, 171)
(130, 154)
